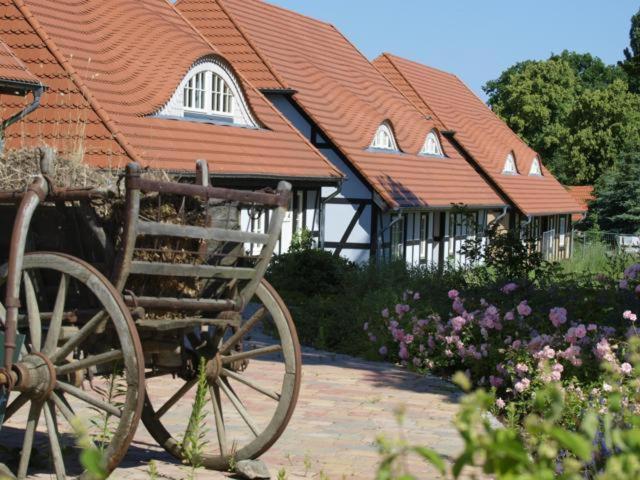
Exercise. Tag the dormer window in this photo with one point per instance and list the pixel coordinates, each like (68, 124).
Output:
(432, 145)
(207, 92)
(510, 165)
(383, 138)
(210, 93)
(535, 167)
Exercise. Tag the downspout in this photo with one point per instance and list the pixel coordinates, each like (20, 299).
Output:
(37, 95)
(380, 238)
(525, 224)
(505, 210)
(323, 204)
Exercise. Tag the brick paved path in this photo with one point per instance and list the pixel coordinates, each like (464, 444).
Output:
(344, 404)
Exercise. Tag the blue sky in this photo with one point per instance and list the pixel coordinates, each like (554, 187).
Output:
(475, 39)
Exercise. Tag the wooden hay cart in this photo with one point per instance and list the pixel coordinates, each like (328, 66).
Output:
(106, 344)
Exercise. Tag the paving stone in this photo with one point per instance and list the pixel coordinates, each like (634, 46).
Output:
(344, 404)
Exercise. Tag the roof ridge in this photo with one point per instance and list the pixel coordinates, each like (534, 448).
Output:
(388, 57)
(59, 56)
(255, 48)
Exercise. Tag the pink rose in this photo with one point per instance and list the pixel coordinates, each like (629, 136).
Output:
(522, 368)
(408, 339)
(416, 296)
(385, 313)
(626, 368)
(500, 403)
(509, 287)
(457, 323)
(403, 353)
(453, 294)
(558, 316)
(629, 315)
(522, 385)
(509, 316)
(524, 309)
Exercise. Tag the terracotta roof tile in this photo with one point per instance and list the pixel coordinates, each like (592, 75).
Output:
(486, 137)
(110, 66)
(13, 69)
(345, 95)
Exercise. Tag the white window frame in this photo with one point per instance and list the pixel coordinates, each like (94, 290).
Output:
(510, 165)
(384, 139)
(536, 168)
(237, 111)
(396, 239)
(424, 232)
(299, 211)
(432, 145)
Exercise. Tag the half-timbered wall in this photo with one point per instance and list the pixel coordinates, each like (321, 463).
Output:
(303, 213)
(349, 214)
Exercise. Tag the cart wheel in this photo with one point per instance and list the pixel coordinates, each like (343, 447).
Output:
(253, 378)
(81, 371)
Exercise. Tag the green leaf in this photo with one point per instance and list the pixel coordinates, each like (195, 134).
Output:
(432, 457)
(574, 442)
(93, 462)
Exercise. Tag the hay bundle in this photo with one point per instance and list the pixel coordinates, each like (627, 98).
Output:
(18, 167)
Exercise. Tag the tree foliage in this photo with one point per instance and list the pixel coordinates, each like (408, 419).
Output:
(617, 204)
(575, 110)
(631, 63)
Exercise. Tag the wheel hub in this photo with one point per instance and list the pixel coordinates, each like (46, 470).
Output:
(36, 376)
(213, 369)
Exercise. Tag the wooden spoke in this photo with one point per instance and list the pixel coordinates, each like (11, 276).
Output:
(217, 414)
(84, 396)
(251, 384)
(243, 330)
(55, 325)
(54, 441)
(66, 411)
(80, 336)
(176, 396)
(234, 357)
(237, 404)
(27, 444)
(90, 361)
(16, 405)
(33, 313)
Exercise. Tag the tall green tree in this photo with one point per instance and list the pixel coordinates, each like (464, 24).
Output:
(575, 110)
(617, 192)
(631, 63)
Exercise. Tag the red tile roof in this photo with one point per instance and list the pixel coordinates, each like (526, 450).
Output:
(111, 65)
(583, 195)
(486, 137)
(12, 69)
(344, 94)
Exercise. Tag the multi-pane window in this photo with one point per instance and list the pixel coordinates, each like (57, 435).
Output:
(188, 93)
(535, 167)
(431, 145)
(510, 165)
(397, 239)
(424, 232)
(208, 93)
(221, 96)
(383, 139)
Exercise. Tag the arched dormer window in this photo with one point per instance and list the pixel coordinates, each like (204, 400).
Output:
(432, 145)
(209, 92)
(383, 139)
(535, 167)
(510, 165)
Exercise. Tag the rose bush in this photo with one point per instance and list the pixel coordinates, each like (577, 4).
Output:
(518, 338)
